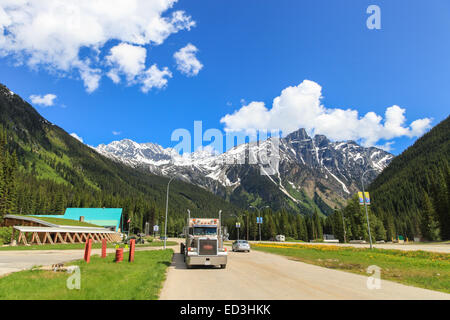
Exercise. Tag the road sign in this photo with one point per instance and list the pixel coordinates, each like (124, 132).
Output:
(361, 199)
(238, 224)
(367, 197)
(155, 228)
(259, 219)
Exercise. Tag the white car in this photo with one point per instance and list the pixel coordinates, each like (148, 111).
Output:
(241, 245)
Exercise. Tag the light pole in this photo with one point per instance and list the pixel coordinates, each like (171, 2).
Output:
(343, 222)
(259, 215)
(167, 206)
(365, 205)
(220, 229)
(343, 225)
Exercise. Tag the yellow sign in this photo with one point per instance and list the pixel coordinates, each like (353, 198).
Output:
(366, 198)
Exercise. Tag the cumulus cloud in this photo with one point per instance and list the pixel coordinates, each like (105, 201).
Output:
(77, 137)
(187, 62)
(300, 107)
(155, 78)
(47, 100)
(128, 60)
(68, 37)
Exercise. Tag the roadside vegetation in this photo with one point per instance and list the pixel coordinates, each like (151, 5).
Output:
(423, 269)
(65, 222)
(101, 279)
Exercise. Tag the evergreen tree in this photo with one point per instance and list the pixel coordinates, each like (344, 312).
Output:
(429, 224)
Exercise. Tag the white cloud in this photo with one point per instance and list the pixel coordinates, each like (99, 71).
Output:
(46, 101)
(155, 78)
(116, 133)
(128, 60)
(300, 107)
(77, 137)
(67, 37)
(187, 62)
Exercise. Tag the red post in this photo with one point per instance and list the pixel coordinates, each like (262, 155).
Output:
(132, 246)
(119, 255)
(87, 250)
(104, 248)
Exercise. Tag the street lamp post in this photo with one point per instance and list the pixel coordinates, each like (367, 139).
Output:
(247, 225)
(343, 222)
(343, 225)
(259, 215)
(167, 206)
(365, 205)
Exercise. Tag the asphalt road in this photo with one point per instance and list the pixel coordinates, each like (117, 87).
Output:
(264, 276)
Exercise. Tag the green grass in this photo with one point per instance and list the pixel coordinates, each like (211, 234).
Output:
(101, 279)
(67, 222)
(61, 221)
(417, 268)
(81, 246)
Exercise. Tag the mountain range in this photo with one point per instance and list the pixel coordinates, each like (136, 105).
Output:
(56, 171)
(313, 173)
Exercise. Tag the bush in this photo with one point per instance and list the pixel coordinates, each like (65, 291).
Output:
(5, 235)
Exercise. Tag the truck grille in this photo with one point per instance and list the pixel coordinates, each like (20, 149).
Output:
(207, 247)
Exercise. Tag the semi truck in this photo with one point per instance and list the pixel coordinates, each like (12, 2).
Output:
(203, 244)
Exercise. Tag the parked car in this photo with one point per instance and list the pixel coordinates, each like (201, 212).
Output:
(241, 245)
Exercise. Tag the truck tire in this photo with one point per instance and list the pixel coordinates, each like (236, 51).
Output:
(182, 248)
(223, 266)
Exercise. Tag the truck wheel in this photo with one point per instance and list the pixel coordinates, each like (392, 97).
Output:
(223, 266)
(188, 266)
(182, 248)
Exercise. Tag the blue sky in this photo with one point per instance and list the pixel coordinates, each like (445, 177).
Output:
(250, 51)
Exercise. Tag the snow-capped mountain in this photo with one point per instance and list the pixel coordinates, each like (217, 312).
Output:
(312, 173)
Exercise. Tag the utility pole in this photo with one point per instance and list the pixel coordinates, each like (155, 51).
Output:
(365, 205)
(167, 206)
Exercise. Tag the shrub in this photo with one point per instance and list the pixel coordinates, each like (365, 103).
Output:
(5, 235)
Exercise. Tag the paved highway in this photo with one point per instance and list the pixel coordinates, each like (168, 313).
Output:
(259, 275)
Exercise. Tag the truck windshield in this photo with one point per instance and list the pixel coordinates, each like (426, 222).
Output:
(204, 231)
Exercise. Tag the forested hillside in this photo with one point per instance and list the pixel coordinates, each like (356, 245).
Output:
(411, 196)
(44, 170)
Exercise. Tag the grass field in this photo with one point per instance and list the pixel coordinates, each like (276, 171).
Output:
(81, 246)
(62, 221)
(101, 279)
(417, 268)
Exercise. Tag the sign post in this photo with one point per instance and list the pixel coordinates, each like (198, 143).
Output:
(366, 200)
(238, 226)
(259, 221)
